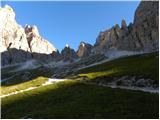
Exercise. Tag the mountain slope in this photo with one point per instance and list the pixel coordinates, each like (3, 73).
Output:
(142, 35)
(118, 87)
(78, 98)
(20, 44)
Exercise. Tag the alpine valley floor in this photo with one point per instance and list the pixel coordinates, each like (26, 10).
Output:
(84, 94)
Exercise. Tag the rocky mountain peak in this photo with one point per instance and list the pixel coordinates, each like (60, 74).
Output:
(142, 35)
(13, 35)
(7, 9)
(68, 54)
(19, 44)
(145, 28)
(6, 15)
(84, 49)
(36, 42)
(67, 46)
(31, 29)
(123, 24)
(82, 44)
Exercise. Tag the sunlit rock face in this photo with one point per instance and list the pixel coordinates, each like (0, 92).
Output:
(19, 44)
(12, 34)
(146, 26)
(36, 43)
(142, 35)
(68, 54)
(12, 37)
(111, 39)
(84, 50)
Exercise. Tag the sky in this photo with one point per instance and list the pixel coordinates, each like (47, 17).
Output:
(71, 22)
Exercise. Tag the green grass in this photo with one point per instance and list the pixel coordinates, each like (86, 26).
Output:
(77, 100)
(73, 99)
(146, 65)
(33, 83)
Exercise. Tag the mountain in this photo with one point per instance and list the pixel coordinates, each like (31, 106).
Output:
(142, 35)
(94, 82)
(84, 50)
(68, 54)
(19, 44)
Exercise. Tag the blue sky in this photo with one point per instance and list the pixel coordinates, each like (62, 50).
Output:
(71, 22)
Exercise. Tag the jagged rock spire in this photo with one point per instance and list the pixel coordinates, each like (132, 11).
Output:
(84, 49)
(67, 46)
(22, 40)
(142, 35)
(68, 54)
(123, 24)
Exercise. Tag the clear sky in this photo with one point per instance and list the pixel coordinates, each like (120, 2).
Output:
(71, 22)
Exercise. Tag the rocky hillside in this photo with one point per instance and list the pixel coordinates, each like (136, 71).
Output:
(68, 54)
(20, 44)
(84, 50)
(142, 35)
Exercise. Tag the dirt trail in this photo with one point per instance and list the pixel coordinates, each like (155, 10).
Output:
(52, 81)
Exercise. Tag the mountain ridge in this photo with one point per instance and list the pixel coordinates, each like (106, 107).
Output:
(141, 35)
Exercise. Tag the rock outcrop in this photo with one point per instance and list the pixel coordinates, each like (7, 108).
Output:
(19, 44)
(142, 35)
(145, 29)
(36, 42)
(68, 54)
(84, 50)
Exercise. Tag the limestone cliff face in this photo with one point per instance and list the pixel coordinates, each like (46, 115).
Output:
(68, 54)
(84, 50)
(36, 42)
(111, 39)
(19, 44)
(146, 25)
(12, 34)
(142, 35)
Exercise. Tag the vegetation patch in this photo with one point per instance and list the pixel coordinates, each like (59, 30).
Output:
(138, 65)
(32, 83)
(74, 99)
(71, 99)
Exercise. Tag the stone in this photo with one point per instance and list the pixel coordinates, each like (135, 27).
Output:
(145, 25)
(123, 25)
(20, 44)
(68, 54)
(84, 50)
(26, 76)
(36, 43)
(141, 35)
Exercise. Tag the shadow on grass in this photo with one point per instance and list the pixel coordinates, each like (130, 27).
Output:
(22, 86)
(13, 55)
(70, 99)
